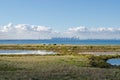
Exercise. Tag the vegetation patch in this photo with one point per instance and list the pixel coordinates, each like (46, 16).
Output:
(100, 61)
(67, 65)
(63, 49)
(62, 67)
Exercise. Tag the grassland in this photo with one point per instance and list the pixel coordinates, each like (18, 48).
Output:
(69, 65)
(64, 49)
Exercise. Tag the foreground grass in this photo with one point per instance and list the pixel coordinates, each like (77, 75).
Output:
(31, 62)
(64, 73)
(66, 67)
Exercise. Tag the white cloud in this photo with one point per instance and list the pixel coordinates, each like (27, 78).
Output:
(26, 31)
(77, 29)
(93, 33)
(7, 28)
(42, 28)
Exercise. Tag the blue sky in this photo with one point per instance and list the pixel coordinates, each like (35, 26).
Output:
(45, 19)
(61, 14)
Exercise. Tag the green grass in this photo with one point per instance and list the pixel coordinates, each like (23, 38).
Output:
(66, 67)
(64, 49)
(42, 62)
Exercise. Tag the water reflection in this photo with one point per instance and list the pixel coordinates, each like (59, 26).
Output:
(42, 52)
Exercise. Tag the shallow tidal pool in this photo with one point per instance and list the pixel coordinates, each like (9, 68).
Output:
(42, 52)
(115, 61)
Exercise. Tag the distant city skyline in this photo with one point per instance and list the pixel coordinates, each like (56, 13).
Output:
(32, 19)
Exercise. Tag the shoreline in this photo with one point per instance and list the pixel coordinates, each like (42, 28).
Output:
(101, 53)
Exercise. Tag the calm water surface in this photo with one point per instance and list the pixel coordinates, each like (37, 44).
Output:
(115, 61)
(92, 42)
(26, 52)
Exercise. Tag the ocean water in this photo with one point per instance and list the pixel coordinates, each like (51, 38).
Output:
(82, 42)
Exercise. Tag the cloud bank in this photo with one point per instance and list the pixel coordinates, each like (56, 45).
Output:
(26, 31)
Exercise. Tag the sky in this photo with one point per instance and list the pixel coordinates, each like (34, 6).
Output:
(66, 18)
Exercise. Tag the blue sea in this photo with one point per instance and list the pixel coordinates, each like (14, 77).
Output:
(53, 41)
